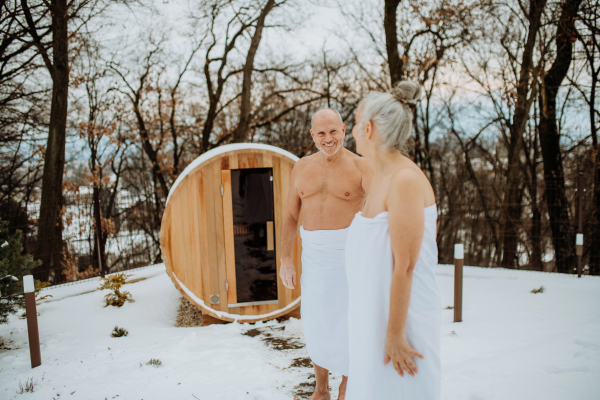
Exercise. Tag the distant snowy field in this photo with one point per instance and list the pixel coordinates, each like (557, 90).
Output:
(513, 344)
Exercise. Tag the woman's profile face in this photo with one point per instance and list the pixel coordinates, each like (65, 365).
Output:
(358, 135)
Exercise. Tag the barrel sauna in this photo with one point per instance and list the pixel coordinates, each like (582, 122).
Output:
(220, 234)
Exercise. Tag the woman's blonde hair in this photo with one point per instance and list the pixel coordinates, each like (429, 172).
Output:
(390, 113)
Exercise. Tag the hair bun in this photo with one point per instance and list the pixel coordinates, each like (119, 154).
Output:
(407, 92)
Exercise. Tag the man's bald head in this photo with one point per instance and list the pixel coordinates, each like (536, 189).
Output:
(325, 112)
(328, 131)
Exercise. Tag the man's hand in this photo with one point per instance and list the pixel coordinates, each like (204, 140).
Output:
(287, 272)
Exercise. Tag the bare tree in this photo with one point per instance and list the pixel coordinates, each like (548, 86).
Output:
(556, 199)
(395, 63)
(50, 242)
(588, 32)
(47, 27)
(240, 133)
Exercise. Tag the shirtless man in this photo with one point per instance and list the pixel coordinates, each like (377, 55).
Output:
(330, 187)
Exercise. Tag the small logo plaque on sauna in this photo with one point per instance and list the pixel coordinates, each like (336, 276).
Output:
(220, 233)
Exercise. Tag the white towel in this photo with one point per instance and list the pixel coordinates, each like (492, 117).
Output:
(324, 307)
(369, 267)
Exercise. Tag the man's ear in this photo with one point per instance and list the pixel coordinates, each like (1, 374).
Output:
(344, 129)
(312, 134)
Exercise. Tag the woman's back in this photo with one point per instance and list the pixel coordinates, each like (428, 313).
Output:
(394, 309)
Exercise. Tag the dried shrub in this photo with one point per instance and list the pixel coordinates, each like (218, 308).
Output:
(188, 315)
(29, 386)
(71, 271)
(155, 362)
(119, 332)
(539, 290)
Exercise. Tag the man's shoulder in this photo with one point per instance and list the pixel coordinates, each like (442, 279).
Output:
(302, 163)
(362, 164)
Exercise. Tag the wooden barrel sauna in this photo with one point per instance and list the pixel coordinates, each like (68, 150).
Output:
(220, 234)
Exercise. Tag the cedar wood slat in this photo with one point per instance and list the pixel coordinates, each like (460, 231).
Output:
(204, 252)
(229, 237)
(220, 235)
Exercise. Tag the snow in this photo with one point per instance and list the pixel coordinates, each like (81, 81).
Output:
(512, 344)
(235, 317)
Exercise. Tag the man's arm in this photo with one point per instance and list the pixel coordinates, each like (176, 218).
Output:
(366, 173)
(287, 272)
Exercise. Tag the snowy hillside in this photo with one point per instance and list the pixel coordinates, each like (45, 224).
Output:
(513, 344)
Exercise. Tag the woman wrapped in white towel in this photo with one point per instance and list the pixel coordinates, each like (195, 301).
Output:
(394, 313)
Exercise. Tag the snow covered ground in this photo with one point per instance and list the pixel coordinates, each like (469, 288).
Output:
(513, 344)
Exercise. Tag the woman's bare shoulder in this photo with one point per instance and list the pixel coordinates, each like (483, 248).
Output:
(412, 181)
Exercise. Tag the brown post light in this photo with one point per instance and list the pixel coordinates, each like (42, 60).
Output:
(459, 255)
(579, 237)
(32, 322)
(579, 252)
(98, 223)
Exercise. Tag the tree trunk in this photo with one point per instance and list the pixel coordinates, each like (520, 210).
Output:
(99, 245)
(151, 153)
(535, 259)
(511, 207)
(595, 228)
(50, 242)
(594, 239)
(240, 132)
(556, 199)
(208, 126)
(395, 63)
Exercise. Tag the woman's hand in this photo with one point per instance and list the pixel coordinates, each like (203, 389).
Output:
(399, 351)
(287, 272)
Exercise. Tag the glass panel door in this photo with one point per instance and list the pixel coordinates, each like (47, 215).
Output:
(253, 233)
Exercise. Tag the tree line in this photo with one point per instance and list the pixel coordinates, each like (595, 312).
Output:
(508, 121)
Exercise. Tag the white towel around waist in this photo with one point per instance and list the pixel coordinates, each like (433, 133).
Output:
(325, 298)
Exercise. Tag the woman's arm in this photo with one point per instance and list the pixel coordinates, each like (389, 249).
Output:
(406, 218)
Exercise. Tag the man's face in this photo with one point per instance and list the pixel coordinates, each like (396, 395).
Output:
(328, 132)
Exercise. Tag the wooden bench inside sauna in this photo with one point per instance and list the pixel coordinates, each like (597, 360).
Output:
(220, 234)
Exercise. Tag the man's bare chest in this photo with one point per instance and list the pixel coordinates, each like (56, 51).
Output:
(343, 183)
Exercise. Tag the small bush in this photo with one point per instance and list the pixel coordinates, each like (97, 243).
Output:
(115, 282)
(119, 332)
(539, 290)
(14, 264)
(155, 362)
(29, 386)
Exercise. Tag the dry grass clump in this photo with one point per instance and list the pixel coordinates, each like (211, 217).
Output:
(29, 386)
(539, 290)
(155, 362)
(188, 315)
(119, 332)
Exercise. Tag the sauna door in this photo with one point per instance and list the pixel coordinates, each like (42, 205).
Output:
(248, 214)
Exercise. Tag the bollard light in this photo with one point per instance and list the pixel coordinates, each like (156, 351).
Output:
(459, 255)
(459, 251)
(579, 252)
(32, 322)
(28, 284)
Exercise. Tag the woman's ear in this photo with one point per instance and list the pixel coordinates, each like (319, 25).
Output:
(369, 130)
